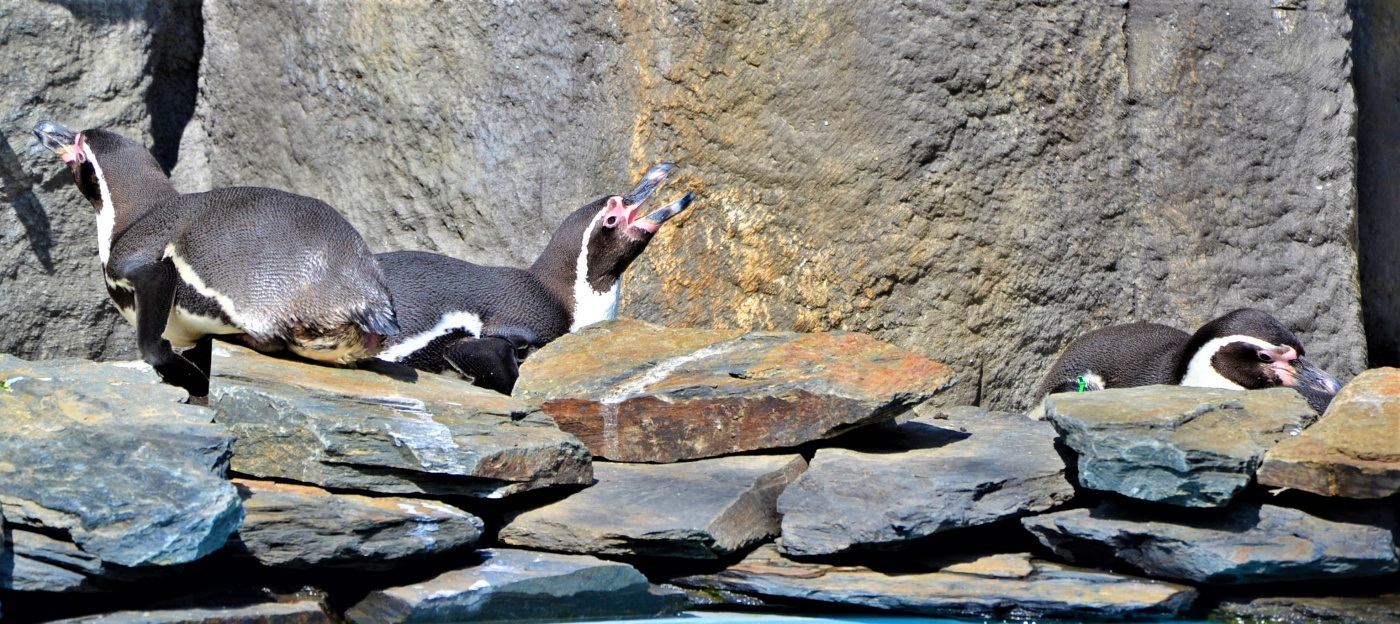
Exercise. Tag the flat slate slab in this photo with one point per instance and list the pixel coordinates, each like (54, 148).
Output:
(951, 469)
(1241, 544)
(37, 562)
(302, 526)
(368, 431)
(520, 585)
(303, 612)
(1353, 451)
(1384, 609)
(1013, 586)
(638, 392)
(701, 509)
(109, 454)
(1195, 447)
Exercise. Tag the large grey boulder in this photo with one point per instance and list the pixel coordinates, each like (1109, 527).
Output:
(1007, 586)
(109, 454)
(702, 509)
(368, 431)
(127, 65)
(1243, 544)
(1195, 447)
(959, 468)
(933, 200)
(301, 612)
(519, 585)
(301, 526)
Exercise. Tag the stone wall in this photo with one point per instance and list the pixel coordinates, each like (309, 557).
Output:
(1377, 50)
(979, 182)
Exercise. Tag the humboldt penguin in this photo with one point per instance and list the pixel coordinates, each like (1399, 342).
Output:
(1246, 349)
(483, 321)
(283, 270)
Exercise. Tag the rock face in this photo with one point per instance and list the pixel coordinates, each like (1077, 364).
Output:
(702, 509)
(633, 391)
(932, 475)
(1379, 610)
(1243, 544)
(128, 65)
(301, 526)
(304, 612)
(107, 453)
(36, 562)
(1353, 451)
(518, 585)
(1195, 447)
(362, 430)
(1000, 586)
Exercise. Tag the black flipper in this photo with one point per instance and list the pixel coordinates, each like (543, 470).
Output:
(155, 294)
(489, 362)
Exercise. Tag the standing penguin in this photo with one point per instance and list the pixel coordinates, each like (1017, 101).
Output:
(483, 321)
(1245, 349)
(282, 269)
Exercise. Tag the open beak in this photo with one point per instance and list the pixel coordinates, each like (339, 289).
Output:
(634, 199)
(654, 220)
(650, 182)
(59, 139)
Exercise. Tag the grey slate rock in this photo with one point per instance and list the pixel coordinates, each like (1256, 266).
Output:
(1010, 586)
(107, 453)
(36, 562)
(301, 526)
(1384, 609)
(962, 467)
(303, 612)
(1242, 544)
(367, 431)
(702, 509)
(1195, 447)
(519, 585)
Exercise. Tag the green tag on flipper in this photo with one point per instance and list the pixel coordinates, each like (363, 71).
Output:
(1083, 383)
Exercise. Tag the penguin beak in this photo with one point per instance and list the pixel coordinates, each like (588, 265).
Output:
(60, 140)
(633, 200)
(1307, 375)
(653, 221)
(650, 182)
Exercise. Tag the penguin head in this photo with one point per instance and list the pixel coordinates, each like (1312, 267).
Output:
(1249, 349)
(105, 165)
(612, 231)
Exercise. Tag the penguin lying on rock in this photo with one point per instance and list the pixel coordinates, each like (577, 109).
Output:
(483, 321)
(1245, 349)
(281, 269)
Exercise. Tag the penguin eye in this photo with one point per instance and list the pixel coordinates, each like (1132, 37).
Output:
(1265, 357)
(610, 221)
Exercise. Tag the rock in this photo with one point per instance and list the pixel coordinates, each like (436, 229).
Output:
(633, 391)
(961, 468)
(362, 430)
(1353, 451)
(1011, 586)
(304, 612)
(1310, 609)
(300, 526)
(519, 585)
(107, 453)
(994, 140)
(1246, 543)
(702, 509)
(36, 562)
(127, 65)
(1195, 447)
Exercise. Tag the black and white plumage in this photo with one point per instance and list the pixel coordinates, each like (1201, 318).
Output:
(283, 270)
(1245, 349)
(484, 320)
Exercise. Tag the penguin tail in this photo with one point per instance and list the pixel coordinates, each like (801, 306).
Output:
(377, 321)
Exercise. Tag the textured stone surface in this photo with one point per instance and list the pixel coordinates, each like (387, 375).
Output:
(126, 65)
(633, 391)
(1310, 609)
(1195, 447)
(949, 470)
(519, 585)
(301, 526)
(1376, 50)
(108, 453)
(999, 586)
(36, 562)
(702, 509)
(363, 430)
(985, 174)
(304, 612)
(1242, 544)
(1353, 451)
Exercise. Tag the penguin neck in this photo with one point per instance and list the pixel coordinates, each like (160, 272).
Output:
(563, 270)
(123, 200)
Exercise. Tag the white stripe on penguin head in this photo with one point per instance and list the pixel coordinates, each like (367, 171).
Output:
(591, 306)
(1201, 374)
(107, 215)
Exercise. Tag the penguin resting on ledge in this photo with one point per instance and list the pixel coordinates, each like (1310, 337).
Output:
(1245, 349)
(483, 321)
(285, 271)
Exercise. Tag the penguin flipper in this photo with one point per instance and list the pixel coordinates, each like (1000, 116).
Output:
(155, 295)
(489, 362)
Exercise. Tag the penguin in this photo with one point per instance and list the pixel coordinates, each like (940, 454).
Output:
(1244, 349)
(282, 270)
(483, 321)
